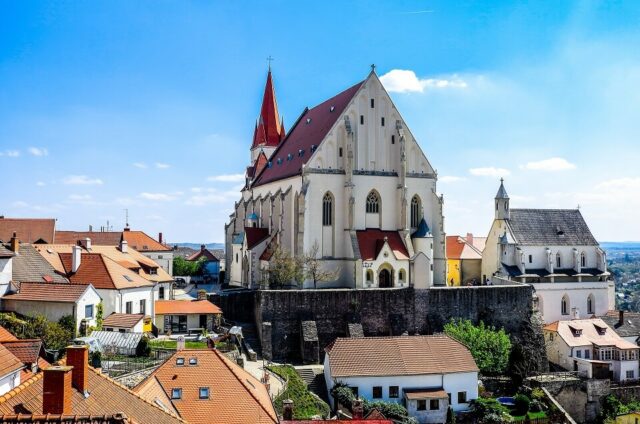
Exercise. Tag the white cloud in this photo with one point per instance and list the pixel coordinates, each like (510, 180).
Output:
(38, 151)
(19, 204)
(10, 153)
(227, 178)
(41, 184)
(450, 179)
(81, 180)
(489, 171)
(551, 164)
(161, 165)
(140, 165)
(158, 197)
(406, 81)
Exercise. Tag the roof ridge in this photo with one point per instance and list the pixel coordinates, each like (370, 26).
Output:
(13, 392)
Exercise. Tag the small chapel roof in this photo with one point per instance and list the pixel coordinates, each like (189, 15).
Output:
(550, 227)
(371, 241)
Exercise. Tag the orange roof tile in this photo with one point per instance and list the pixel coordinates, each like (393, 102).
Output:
(9, 363)
(48, 292)
(105, 238)
(142, 242)
(235, 396)
(164, 307)
(5, 335)
(102, 272)
(122, 320)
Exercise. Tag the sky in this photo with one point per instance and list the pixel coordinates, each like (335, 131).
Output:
(149, 106)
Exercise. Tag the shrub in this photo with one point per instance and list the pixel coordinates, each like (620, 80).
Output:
(451, 416)
(306, 405)
(489, 347)
(393, 411)
(522, 403)
(537, 394)
(536, 406)
(144, 347)
(489, 411)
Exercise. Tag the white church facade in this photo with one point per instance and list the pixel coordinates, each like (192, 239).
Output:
(555, 252)
(348, 179)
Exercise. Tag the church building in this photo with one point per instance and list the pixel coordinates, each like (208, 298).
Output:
(554, 251)
(349, 184)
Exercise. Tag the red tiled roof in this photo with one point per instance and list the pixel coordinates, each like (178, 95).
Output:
(45, 292)
(269, 130)
(235, 396)
(352, 421)
(172, 307)
(142, 242)
(9, 363)
(255, 236)
(92, 270)
(122, 320)
(5, 335)
(28, 230)
(454, 247)
(371, 242)
(303, 135)
(203, 252)
(66, 419)
(99, 238)
(26, 350)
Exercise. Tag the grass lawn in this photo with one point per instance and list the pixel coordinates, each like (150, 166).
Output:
(171, 344)
(306, 405)
(532, 415)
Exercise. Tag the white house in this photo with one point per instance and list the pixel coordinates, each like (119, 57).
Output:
(555, 252)
(10, 367)
(427, 374)
(348, 183)
(6, 268)
(592, 348)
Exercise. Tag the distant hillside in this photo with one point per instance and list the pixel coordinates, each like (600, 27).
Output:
(620, 245)
(196, 246)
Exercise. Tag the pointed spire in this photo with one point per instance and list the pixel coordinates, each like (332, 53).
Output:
(270, 130)
(502, 192)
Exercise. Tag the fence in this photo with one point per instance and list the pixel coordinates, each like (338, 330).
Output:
(116, 365)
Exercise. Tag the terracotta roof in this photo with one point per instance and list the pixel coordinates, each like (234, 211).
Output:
(393, 356)
(122, 320)
(29, 230)
(371, 242)
(102, 272)
(459, 248)
(164, 307)
(66, 419)
(581, 332)
(5, 335)
(269, 130)
(425, 393)
(9, 363)
(142, 242)
(26, 350)
(235, 396)
(30, 267)
(454, 247)
(105, 397)
(46, 292)
(206, 253)
(309, 130)
(255, 236)
(106, 238)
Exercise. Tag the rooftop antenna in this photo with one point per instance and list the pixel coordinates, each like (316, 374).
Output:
(126, 218)
(269, 60)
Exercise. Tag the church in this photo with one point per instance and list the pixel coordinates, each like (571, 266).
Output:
(349, 184)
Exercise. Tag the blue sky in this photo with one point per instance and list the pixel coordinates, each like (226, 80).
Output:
(150, 106)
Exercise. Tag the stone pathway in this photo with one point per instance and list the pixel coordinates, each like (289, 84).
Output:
(276, 385)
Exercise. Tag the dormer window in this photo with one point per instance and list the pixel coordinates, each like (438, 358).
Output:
(279, 161)
(313, 148)
(601, 330)
(179, 361)
(577, 332)
(308, 120)
(332, 108)
(559, 231)
(289, 156)
(269, 164)
(300, 153)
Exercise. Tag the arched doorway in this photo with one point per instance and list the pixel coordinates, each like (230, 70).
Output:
(384, 278)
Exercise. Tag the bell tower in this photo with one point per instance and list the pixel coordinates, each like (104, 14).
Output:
(502, 202)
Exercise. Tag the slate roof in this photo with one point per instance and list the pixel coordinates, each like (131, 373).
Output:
(371, 242)
(235, 396)
(30, 267)
(394, 356)
(630, 326)
(550, 227)
(122, 320)
(28, 230)
(309, 130)
(48, 292)
(422, 230)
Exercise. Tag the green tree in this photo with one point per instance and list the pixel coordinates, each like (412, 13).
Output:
(451, 416)
(489, 347)
(183, 267)
(99, 316)
(314, 269)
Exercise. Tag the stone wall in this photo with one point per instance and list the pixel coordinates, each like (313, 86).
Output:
(381, 312)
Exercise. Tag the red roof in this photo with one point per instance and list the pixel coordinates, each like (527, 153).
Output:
(255, 236)
(28, 230)
(309, 130)
(46, 292)
(99, 238)
(454, 247)
(5, 335)
(269, 130)
(371, 242)
(184, 307)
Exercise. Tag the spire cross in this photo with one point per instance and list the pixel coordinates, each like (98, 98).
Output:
(269, 60)
(373, 67)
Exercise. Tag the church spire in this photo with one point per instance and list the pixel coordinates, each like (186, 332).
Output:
(270, 129)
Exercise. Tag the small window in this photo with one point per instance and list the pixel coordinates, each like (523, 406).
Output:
(377, 392)
(558, 260)
(179, 361)
(393, 139)
(161, 293)
(578, 354)
(394, 392)
(176, 393)
(373, 103)
(564, 306)
(88, 311)
(236, 258)
(583, 260)
(361, 119)
(143, 306)
(462, 397)
(354, 390)
(340, 152)
(159, 256)
(129, 307)
(587, 354)
(630, 374)
(204, 393)
(422, 405)
(373, 203)
(530, 258)
(122, 330)
(193, 361)
(434, 404)
(382, 121)
(327, 210)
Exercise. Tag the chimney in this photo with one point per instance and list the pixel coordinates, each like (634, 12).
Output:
(160, 238)
(76, 257)
(202, 247)
(287, 410)
(78, 358)
(620, 317)
(56, 390)
(87, 243)
(14, 245)
(124, 246)
(470, 238)
(90, 228)
(202, 294)
(357, 410)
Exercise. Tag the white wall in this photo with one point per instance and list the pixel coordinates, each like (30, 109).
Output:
(115, 300)
(164, 259)
(550, 298)
(6, 273)
(90, 297)
(9, 382)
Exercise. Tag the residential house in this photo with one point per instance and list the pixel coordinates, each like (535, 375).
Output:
(19, 360)
(626, 324)
(181, 316)
(211, 262)
(127, 323)
(29, 230)
(204, 386)
(554, 251)
(632, 417)
(153, 249)
(464, 259)
(592, 348)
(36, 288)
(427, 374)
(79, 390)
(10, 367)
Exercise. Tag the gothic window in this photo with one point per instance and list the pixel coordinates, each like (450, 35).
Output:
(327, 210)
(565, 305)
(583, 260)
(590, 302)
(416, 211)
(373, 202)
(372, 103)
(558, 260)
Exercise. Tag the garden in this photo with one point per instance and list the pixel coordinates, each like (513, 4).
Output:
(306, 405)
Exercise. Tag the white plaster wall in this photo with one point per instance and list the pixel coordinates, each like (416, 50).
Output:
(90, 297)
(164, 259)
(9, 382)
(52, 310)
(6, 273)
(115, 300)
(550, 299)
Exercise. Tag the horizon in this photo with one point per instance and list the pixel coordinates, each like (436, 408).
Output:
(107, 107)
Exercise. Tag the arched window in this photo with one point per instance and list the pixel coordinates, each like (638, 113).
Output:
(583, 260)
(373, 202)
(161, 293)
(327, 210)
(558, 260)
(565, 305)
(590, 304)
(416, 211)
(369, 276)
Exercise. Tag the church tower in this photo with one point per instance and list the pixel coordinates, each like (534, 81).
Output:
(269, 130)
(502, 202)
